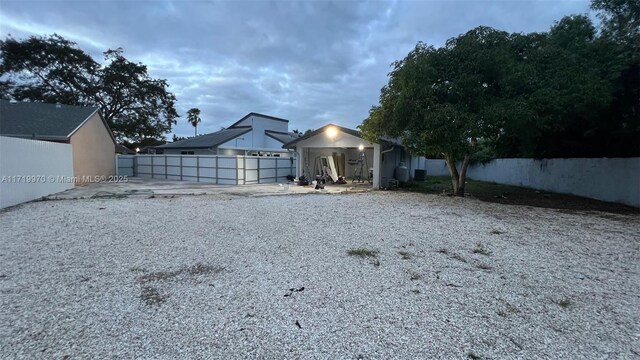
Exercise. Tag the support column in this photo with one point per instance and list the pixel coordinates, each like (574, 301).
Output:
(300, 167)
(377, 166)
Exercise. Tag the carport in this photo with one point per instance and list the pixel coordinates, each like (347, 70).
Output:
(350, 153)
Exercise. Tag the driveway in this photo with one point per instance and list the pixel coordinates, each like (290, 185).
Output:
(147, 187)
(374, 275)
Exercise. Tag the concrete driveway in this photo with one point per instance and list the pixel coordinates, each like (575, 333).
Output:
(155, 187)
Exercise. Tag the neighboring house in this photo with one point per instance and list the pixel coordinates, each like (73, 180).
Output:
(92, 142)
(350, 150)
(123, 150)
(253, 135)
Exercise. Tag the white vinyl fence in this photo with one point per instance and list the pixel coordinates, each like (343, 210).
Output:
(31, 169)
(215, 169)
(607, 179)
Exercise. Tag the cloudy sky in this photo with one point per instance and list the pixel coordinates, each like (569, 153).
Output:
(311, 62)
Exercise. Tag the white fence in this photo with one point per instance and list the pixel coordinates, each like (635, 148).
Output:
(608, 179)
(31, 169)
(215, 169)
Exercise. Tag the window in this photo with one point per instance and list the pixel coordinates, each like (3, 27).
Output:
(186, 153)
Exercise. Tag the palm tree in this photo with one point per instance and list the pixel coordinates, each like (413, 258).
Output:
(193, 116)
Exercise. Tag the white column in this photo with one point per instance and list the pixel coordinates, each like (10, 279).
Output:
(377, 166)
(299, 168)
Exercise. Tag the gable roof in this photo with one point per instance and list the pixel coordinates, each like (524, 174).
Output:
(208, 140)
(345, 130)
(46, 121)
(257, 114)
(283, 137)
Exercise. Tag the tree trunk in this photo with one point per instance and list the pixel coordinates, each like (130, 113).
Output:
(457, 179)
(453, 171)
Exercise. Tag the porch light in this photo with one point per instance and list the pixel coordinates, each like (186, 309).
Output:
(137, 149)
(332, 132)
(361, 147)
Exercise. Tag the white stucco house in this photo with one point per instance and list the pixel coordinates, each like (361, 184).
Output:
(253, 135)
(349, 149)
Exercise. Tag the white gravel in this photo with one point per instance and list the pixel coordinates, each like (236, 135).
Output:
(206, 277)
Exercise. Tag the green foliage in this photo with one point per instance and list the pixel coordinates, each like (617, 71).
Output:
(53, 69)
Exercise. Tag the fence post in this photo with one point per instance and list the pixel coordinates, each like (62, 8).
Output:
(152, 166)
(276, 168)
(197, 168)
(181, 168)
(245, 169)
(217, 169)
(166, 176)
(258, 169)
(135, 165)
(237, 170)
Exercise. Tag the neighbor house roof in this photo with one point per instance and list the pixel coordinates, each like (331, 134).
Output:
(355, 133)
(43, 121)
(209, 140)
(283, 137)
(121, 149)
(260, 115)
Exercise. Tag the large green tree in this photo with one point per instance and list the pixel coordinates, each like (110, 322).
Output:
(52, 69)
(446, 101)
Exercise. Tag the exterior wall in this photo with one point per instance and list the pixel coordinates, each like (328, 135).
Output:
(615, 180)
(48, 165)
(244, 141)
(195, 151)
(259, 125)
(93, 149)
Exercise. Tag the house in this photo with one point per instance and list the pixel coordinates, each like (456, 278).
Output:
(253, 135)
(123, 150)
(93, 144)
(352, 156)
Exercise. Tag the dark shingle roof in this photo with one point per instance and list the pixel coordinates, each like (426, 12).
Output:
(46, 121)
(208, 140)
(281, 136)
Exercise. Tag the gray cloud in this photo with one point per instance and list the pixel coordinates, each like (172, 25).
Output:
(308, 61)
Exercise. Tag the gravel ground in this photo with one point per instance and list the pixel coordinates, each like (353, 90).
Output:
(271, 277)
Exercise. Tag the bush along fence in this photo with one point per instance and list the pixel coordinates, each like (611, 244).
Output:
(214, 169)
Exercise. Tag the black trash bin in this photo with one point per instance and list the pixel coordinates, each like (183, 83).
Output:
(420, 175)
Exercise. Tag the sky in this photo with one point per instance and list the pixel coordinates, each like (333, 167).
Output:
(311, 62)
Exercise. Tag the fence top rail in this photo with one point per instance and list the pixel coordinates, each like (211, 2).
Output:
(210, 156)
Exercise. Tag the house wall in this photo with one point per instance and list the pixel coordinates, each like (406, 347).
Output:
(259, 125)
(93, 149)
(312, 153)
(243, 141)
(195, 151)
(607, 179)
(31, 169)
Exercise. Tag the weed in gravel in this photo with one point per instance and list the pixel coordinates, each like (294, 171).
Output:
(474, 356)
(151, 296)
(459, 258)
(136, 269)
(405, 255)
(443, 251)
(484, 267)
(481, 249)
(498, 232)
(565, 303)
(159, 276)
(415, 291)
(508, 310)
(199, 269)
(362, 252)
(415, 276)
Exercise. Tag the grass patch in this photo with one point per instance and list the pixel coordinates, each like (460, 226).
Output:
(508, 310)
(481, 249)
(136, 269)
(474, 356)
(565, 303)
(415, 276)
(151, 296)
(415, 291)
(513, 195)
(497, 232)
(443, 251)
(363, 252)
(484, 267)
(459, 258)
(197, 269)
(405, 255)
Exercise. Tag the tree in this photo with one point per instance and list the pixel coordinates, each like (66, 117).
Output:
(178, 138)
(53, 69)
(444, 101)
(193, 116)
